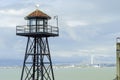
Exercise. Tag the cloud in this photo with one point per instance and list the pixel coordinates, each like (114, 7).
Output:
(12, 12)
(86, 27)
(2, 44)
(85, 54)
(76, 23)
(75, 13)
(92, 12)
(11, 17)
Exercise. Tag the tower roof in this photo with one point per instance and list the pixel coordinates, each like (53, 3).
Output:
(37, 14)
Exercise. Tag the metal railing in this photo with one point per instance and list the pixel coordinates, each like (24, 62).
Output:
(38, 29)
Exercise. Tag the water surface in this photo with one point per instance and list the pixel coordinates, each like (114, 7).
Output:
(66, 73)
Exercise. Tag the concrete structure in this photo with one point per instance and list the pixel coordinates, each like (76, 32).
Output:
(118, 58)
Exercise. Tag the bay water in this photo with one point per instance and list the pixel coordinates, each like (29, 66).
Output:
(88, 73)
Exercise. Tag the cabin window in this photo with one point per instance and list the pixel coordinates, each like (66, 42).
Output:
(39, 22)
(32, 24)
(46, 22)
(39, 25)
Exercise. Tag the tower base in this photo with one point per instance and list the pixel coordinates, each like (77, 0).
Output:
(37, 61)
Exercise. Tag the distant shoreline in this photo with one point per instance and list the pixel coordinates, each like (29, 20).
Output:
(63, 66)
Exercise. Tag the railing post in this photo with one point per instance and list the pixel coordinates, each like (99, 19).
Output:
(57, 30)
(16, 29)
(47, 29)
(51, 29)
(24, 29)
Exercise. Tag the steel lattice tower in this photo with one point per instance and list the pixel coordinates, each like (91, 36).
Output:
(37, 61)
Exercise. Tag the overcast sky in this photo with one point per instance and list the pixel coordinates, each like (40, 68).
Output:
(87, 27)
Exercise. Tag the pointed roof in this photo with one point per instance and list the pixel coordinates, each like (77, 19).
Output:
(37, 14)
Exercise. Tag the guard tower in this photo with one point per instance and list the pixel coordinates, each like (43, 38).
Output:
(118, 58)
(37, 61)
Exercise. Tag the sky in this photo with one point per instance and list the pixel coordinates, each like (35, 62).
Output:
(87, 27)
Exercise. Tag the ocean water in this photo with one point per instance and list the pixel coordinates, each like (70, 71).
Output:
(91, 73)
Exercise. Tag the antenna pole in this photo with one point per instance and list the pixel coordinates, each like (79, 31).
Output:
(56, 17)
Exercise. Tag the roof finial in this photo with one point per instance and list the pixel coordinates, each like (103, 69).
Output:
(37, 6)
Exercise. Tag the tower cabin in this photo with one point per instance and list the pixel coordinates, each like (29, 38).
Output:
(37, 26)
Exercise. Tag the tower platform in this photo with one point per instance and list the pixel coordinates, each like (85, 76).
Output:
(32, 31)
